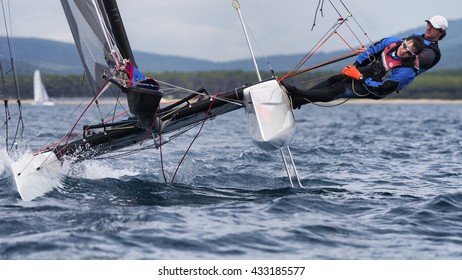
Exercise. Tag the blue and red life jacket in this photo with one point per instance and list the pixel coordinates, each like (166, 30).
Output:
(390, 61)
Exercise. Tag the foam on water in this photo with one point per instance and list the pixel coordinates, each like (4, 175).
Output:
(5, 161)
(116, 168)
(97, 169)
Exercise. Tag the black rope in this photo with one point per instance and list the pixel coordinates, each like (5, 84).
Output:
(20, 125)
(7, 110)
(320, 4)
(357, 23)
(339, 22)
(335, 8)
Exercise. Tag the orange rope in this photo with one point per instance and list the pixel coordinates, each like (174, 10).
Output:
(295, 70)
(319, 65)
(343, 39)
(354, 34)
(305, 59)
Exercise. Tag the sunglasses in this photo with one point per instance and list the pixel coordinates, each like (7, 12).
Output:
(408, 51)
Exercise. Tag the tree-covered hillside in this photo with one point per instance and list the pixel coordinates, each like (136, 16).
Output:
(441, 84)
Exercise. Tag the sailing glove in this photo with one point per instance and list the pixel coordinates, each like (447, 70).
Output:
(352, 72)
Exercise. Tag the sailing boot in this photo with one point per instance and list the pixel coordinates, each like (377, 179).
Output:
(295, 95)
(297, 102)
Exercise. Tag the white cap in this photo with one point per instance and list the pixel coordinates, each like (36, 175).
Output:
(439, 22)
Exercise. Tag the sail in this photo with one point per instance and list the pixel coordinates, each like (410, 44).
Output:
(40, 93)
(93, 39)
(100, 37)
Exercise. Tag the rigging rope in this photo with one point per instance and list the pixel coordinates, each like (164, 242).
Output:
(357, 23)
(68, 135)
(200, 93)
(320, 3)
(20, 125)
(194, 139)
(327, 36)
(206, 117)
(7, 111)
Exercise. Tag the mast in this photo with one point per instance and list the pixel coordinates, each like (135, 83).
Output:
(118, 29)
(237, 6)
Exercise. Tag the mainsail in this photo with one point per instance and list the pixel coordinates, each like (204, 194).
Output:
(107, 57)
(93, 40)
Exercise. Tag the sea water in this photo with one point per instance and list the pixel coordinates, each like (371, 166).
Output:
(380, 181)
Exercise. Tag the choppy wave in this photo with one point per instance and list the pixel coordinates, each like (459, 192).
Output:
(380, 182)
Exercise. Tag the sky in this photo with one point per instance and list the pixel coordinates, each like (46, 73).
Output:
(211, 29)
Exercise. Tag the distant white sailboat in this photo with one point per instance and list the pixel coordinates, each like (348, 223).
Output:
(40, 93)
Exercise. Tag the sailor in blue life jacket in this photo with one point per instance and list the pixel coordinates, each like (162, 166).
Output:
(366, 77)
(435, 31)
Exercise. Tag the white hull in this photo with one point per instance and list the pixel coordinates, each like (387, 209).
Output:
(35, 175)
(270, 117)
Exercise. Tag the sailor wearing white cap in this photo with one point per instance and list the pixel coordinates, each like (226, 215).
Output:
(435, 31)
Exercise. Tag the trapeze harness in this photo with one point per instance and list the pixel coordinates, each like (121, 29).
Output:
(425, 63)
(377, 69)
(434, 46)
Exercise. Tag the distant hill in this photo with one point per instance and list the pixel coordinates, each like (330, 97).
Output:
(53, 57)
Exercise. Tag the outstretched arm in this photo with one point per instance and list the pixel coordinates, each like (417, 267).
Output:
(374, 49)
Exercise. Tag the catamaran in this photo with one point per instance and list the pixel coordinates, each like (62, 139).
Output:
(110, 66)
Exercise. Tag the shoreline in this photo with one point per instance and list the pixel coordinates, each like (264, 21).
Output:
(402, 101)
(357, 101)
